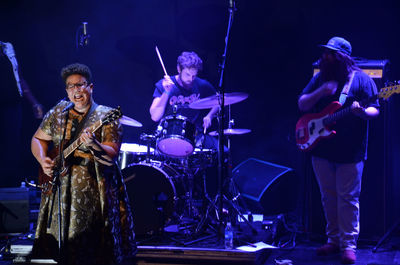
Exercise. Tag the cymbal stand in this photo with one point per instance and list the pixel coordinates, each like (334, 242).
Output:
(227, 186)
(230, 185)
(217, 203)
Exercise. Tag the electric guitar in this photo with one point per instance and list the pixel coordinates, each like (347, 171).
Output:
(313, 127)
(46, 182)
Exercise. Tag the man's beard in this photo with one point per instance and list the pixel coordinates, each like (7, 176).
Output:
(335, 70)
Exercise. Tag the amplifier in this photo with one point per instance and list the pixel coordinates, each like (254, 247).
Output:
(374, 68)
(14, 210)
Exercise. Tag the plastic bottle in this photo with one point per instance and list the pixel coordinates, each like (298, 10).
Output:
(228, 236)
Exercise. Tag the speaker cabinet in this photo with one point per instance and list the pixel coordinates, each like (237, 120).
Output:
(14, 210)
(267, 188)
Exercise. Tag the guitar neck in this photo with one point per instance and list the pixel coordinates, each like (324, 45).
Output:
(336, 116)
(344, 112)
(72, 147)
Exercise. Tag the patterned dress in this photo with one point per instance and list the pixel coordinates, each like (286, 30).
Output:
(96, 219)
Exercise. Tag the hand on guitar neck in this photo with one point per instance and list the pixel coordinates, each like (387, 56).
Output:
(363, 113)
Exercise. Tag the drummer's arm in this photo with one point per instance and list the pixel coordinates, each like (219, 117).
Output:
(212, 112)
(208, 118)
(157, 107)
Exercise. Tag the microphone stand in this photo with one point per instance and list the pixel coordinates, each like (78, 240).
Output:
(221, 115)
(217, 203)
(56, 186)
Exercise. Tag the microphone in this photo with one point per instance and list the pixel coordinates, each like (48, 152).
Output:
(85, 33)
(68, 107)
(231, 4)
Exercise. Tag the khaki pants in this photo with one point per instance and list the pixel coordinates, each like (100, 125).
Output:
(340, 186)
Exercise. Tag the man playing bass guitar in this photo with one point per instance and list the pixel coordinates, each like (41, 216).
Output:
(338, 161)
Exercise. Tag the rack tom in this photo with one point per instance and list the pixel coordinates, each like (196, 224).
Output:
(176, 136)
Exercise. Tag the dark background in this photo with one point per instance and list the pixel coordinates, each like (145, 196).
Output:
(271, 49)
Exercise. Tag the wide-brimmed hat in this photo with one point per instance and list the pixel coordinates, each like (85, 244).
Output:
(338, 44)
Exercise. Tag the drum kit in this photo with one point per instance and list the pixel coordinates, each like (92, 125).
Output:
(162, 175)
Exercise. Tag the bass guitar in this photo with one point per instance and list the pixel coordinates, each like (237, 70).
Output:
(313, 127)
(46, 182)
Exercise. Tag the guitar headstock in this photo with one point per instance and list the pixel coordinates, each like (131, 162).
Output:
(388, 91)
(112, 115)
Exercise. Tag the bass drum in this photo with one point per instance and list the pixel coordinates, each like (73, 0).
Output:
(152, 195)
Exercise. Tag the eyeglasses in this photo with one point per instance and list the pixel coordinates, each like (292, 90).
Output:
(76, 86)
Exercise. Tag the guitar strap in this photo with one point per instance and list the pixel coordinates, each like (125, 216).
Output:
(84, 122)
(346, 89)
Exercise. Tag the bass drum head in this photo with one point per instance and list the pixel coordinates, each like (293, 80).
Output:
(151, 194)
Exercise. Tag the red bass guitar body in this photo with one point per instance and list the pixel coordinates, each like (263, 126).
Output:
(311, 128)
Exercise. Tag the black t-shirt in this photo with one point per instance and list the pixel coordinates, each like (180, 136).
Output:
(183, 97)
(349, 145)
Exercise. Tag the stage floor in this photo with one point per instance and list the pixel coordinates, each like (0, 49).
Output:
(211, 251)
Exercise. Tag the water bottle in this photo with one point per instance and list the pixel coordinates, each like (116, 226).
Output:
(228, 236)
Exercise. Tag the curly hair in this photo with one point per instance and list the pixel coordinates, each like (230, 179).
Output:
(76, 68)
(190, 60)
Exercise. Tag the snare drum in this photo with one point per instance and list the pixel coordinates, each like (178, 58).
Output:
(176, 136)
(202, 158)
(132, 153)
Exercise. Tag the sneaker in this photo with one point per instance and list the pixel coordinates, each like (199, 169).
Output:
(348, 256)
(328, 249)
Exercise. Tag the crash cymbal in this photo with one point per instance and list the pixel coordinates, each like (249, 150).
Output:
(231, 132)
(125, 120)
(212, 101)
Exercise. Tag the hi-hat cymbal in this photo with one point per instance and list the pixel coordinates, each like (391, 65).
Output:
(212, 101)
(231, 132)
(125, 120)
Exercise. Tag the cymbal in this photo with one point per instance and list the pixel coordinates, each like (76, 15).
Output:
(212, 101)
(125, 120)
(231, 132)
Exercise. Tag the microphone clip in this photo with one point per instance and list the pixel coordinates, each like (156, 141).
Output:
(84, 37)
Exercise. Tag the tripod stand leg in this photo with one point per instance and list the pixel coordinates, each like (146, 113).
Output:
(253, 230)
(205, 217)
(386, 235)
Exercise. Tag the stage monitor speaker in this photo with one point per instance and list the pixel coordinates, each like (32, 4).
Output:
(267, 188)
(14, 210)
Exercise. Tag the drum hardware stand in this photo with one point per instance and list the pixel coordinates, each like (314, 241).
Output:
(230, 183)
(148, 138)
(232, 203)
(187, 181)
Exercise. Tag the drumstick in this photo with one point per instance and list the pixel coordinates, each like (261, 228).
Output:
(161, 61)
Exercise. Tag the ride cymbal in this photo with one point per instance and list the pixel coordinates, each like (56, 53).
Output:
(212, 101)
(231, 132)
